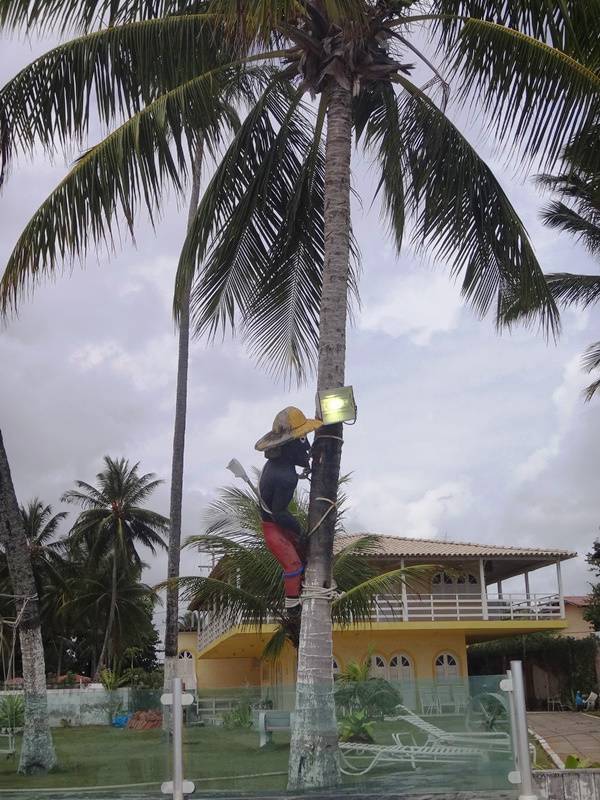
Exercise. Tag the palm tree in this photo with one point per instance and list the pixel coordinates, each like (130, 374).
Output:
(37, 749)
(113, 524)
(577, 211)
(246, 585)
(275, 204)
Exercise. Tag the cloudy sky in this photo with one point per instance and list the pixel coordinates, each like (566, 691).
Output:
(462, 434)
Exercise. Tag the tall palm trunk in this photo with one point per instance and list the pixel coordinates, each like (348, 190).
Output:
(314, 758)
(37, 749)
(111, 614)
(172, 619)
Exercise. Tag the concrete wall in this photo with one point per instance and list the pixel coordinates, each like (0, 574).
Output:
(577, 627)
(227, 673)
(83, 706)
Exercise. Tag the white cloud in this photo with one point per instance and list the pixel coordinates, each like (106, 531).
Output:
(567, 401)
(397, 504)
(152, 367)
(419, 305)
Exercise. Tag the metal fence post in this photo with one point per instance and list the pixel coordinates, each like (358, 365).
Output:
(523, 756)
(178, 787)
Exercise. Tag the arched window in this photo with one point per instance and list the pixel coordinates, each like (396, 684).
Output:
(378, 667)
(185, 654)
(401, 668)
(446, 667)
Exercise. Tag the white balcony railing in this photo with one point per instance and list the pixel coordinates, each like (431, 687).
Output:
(431, 608)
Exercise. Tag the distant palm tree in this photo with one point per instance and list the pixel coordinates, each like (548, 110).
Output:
(41, 526)
(113, 524)
(246, 585)
(577, 211)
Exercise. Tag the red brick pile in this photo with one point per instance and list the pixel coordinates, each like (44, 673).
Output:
(145, 720)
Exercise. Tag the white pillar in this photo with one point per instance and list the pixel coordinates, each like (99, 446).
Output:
(404, 598)
(561, 597)
(483, 589)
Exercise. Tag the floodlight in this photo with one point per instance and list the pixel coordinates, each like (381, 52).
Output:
(336, 405)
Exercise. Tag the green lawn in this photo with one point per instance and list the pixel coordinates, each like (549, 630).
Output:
(215, 758)
(102, 756)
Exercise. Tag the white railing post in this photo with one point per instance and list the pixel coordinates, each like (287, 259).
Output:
(561, 597)
(484, 605)
(521, 731)
(404, 597)
(178, 787)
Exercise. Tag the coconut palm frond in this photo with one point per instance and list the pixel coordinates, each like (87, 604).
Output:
(591, 390)
(235, 604)
(48, 101)
(263, 207)
(569, 25)
(460, 211)
(274, 647)
(352, 565)
(357, 604)
(69, 15)
(532, 93)
(126, 172)
(591, 357)
(558, 215)
(574, 290)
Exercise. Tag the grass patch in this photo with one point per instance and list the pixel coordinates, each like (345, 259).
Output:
(103, 756)
(216, 758)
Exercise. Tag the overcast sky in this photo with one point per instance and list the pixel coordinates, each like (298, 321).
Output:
(462, 434)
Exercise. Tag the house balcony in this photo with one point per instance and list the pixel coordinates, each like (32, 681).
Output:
(486, 610)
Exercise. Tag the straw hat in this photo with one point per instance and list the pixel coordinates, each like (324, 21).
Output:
(288, 424)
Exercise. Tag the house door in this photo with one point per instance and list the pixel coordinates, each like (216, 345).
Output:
(402, 673)
(446, 667)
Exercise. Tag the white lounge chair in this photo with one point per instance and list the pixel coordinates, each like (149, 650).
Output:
(498, 741)
(460, 696)
(430, 703)
(444, 696)
(358, 759)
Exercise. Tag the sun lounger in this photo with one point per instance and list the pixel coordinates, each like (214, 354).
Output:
(358, 759)
(496, 741)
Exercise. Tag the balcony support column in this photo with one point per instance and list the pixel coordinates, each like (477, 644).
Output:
(483, 589)
(527, 592)
(500, 590)
(561, 597)
(404, 597)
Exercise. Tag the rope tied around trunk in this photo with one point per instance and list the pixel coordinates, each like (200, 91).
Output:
(313, 592)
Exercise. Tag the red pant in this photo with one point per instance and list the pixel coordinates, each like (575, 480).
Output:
(281, 543)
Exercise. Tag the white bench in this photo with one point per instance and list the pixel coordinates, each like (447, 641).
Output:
(270, 721)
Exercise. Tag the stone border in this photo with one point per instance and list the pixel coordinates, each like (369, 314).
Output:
(554, 757)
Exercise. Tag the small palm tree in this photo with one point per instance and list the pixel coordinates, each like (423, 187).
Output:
(113, 525)
(577, 211)
(246, 585)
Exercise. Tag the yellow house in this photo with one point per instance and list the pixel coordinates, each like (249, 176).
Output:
(415, 637)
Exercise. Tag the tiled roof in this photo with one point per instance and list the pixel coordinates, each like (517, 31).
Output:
(410, 548)
(577, 600)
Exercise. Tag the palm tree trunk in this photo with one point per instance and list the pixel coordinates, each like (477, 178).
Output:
(111, 614)
(37, 749)
(172, 617)
(314, 757)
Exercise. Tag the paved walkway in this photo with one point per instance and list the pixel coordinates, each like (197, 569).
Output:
(568, 733)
